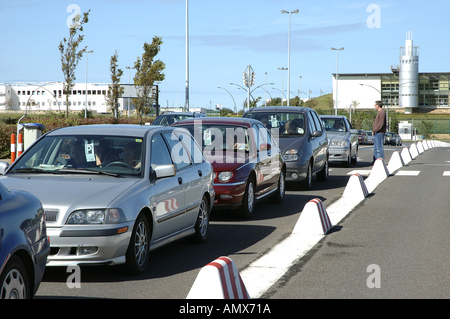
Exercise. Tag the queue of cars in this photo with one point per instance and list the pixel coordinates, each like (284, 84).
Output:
(112, 193)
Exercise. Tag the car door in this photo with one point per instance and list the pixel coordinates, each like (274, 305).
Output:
(168, 203)
(195, 175)
(189, 174)
(266, 174)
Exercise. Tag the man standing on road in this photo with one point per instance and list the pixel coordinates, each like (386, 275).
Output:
(379, 129)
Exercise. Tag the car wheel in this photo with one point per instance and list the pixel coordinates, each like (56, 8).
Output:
(281, 190)
(138, 249)
(323, 174)
(248, 202)
(355, 159)
(202, 223)
(307, 183)
(14, 283)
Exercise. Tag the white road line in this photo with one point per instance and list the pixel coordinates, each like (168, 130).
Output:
(446, 173)
(407, 173)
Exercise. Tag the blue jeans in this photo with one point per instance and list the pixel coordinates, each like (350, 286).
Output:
(378, 151)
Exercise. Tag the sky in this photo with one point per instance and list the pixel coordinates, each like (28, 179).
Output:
(224, 38)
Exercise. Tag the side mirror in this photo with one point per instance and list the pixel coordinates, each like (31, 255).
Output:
(316, 134)
(164, 171)
(3, 167)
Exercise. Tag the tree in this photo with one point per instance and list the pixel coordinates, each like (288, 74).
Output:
(70, 55)
(148, 71)
(115, 90)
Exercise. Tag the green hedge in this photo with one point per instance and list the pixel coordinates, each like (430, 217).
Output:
(51, 123)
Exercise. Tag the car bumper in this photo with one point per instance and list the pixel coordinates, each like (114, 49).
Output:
(296, 171)
(229, 195)
(81, 245)
(338, 154)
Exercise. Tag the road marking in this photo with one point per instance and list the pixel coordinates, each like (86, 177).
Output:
(407, 173)
(446, 173)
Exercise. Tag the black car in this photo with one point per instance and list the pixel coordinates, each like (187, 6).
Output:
(24, 244)
(301, 136)
(167, 119)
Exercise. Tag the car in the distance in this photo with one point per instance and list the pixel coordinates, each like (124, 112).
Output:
(112, 193)
(370, 138)
(342, 139)
(247, 162)
(302, 139)
(397, 140)
(24, 244)
(169, 118)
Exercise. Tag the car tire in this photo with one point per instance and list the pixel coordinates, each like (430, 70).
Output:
(137, 254)
(202, 223)
(355, 159)
(14, 281)
(248, 202)
(278, 197)
(307, 183)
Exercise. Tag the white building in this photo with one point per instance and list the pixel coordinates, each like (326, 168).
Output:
(49, 96)
(405, 88)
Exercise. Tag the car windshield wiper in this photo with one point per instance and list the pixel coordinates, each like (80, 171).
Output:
(29, 170)
(85, 171)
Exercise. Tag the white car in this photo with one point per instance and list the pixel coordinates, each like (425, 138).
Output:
(112, 193)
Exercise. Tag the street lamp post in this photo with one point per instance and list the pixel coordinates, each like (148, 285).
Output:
(85, 107)
(337, 63)
(282, 84)
(289, 52)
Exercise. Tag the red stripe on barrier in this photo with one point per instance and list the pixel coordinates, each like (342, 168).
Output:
(228, 279)
(324, 218)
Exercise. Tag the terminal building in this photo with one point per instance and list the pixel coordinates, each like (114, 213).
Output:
(404, 89)
(49, 96)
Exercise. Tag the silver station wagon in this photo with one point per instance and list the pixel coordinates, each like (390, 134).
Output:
(112, 193)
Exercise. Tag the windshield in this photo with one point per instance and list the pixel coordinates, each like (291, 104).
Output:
(334, 125)
(281, 124)
(169, 119)
(112, 155)
(217, 137)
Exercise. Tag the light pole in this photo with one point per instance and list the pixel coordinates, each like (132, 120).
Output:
(282, 84)
(289, 51)
(85, 107)
(235, 109)
(337, 63)
(187, 58)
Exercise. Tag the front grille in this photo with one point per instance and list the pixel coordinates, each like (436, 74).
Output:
(51, 215)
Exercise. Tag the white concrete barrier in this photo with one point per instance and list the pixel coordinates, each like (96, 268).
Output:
(413, 150)
(425, 145)
(395, 162)
(406, 156)
(219, 279)
(313, 219)
(377, 175)
(419, 147)
(356, 189)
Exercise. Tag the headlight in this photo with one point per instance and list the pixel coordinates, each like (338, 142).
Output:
(224, 176)
(96, 217)
(291, 155)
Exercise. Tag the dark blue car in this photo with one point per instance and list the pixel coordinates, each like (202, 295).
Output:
(24, 244)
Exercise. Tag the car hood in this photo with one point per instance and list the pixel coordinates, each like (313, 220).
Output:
(227, 161)
(336, 135)
(287, 143)
(70, 191)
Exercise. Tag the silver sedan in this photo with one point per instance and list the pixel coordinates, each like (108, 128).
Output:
(342, 139)
(112, 193)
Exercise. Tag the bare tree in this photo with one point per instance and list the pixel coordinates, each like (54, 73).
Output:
(70, 55)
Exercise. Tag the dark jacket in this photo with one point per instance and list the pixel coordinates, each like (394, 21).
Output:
(379, 125)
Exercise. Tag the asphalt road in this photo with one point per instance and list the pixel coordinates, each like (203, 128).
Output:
(394, 245)
(368, 233)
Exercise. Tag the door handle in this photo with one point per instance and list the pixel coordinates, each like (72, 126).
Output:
(180, 180)
(200, 173)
